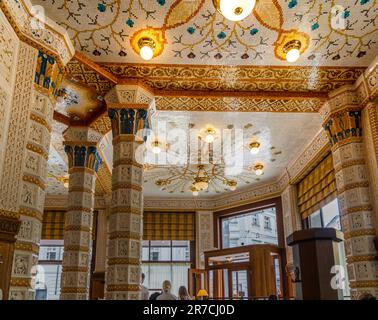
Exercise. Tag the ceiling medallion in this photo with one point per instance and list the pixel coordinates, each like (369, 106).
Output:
(236, 10)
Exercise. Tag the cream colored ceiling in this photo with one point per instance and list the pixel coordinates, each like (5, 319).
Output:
(282, 136)
(198, 34)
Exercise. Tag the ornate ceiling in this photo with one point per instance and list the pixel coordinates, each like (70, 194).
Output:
(193, 32)
(209, 64)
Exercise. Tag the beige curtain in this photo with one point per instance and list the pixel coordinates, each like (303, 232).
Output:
(318, 188)
(169, 226)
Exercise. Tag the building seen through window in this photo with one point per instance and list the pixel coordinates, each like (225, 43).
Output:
(49, 270)
(256, 227)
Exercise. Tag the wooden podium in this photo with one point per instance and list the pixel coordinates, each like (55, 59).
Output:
(315, 252)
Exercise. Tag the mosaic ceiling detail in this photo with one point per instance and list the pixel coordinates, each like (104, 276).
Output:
(193, 32)
(76, 100)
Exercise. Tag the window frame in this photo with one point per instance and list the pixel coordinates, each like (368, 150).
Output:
(189, 260)
(248, 208)
(306, 222)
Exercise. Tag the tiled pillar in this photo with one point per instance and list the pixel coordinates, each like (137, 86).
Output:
(34, 166)
(291, 218)
(204, 236)
(128, 108)
(291, 223)
(342, 122)
(84, 161)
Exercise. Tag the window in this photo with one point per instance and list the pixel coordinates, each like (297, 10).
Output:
(267, 224)
(165, 260)
(245, 229)
(255, 220)
(326, 217)
(49, 270)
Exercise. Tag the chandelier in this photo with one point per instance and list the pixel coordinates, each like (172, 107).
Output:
(201, 172)
(199, 177)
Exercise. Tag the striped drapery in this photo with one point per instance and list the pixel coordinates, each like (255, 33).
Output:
(53, 225)
(169, 226)
(318, 188)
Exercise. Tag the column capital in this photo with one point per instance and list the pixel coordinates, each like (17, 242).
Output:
(130, 108)
(341, 116)
(83, 155)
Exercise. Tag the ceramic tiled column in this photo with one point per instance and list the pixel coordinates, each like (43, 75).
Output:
(84, 161)
(342, 122)
(47, 77)
(128, 108)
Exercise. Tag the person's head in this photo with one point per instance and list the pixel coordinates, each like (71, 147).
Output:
(167, 286)
(366, 296)
(183, 292)
(142, 277)
(272, 297)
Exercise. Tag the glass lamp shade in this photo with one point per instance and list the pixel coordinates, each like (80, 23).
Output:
(209, 138)
(235, 10)
(292, 55)
(146, 52)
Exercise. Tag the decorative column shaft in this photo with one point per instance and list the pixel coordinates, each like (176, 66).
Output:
(46, 83)
(128, 111)
(84, 162)
(342, 123)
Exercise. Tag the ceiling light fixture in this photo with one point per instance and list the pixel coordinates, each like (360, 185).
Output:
(201, 181)
(254, 147)
(156, 147)
(259, 169)
(232, 184)
(235, 10)
(194, 191)
(210, 135)
(292, 50)
(147, 47)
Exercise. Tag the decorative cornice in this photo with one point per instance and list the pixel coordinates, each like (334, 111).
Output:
(263, 103)
(309, 157)
(46, 35)
(172, 77)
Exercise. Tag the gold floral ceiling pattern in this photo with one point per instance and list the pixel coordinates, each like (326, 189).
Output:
(193, 32)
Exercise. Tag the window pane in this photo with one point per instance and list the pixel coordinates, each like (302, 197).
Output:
(250, 228)
(331, 215)
(160, 243)
(180, 243)
(160, 253)
(156, 273)
(180, 254)
(145, 251)
(47, 283)
(315, 220)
